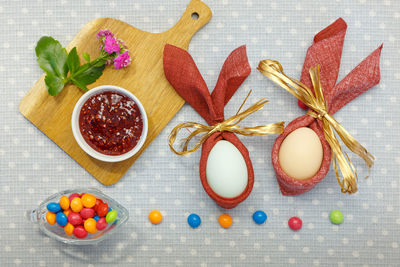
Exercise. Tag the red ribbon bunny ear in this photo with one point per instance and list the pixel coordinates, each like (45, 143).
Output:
(235, 70)
(182, 73)
(326, 51)
(359, 80)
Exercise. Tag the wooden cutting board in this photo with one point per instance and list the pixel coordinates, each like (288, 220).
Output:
(144, 78)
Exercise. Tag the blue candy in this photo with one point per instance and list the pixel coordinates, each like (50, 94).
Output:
(53, 207)
(259, 217)
(61, 219)
(194, 220)
(96, 218)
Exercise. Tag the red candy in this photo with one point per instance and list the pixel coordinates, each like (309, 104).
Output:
(295, 223)
(74, 218)
(101, 223)
(80, 232)
(87, 213)
(102, 209)
(98, 202)
(72, 196)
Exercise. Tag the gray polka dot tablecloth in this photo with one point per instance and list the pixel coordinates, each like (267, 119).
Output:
(32, 167)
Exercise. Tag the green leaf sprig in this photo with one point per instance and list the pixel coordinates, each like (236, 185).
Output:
(62, 68)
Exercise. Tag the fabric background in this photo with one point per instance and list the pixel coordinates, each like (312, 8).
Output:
(32, 167)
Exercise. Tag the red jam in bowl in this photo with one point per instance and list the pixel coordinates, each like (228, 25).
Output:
(111, 123)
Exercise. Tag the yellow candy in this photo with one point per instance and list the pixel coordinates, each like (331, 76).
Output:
(64, 202)
(76, 204)
(155, 217)
(51, 217)
(88, 200)
(90, 225)
(225, 220)
(66, 212)
(69, 229)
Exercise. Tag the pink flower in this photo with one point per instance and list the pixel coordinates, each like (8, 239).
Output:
(111, 45)
(122, 45)
(104, 33)
(122, 60)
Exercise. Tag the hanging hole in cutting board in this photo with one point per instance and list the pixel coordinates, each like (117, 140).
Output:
(195, 15)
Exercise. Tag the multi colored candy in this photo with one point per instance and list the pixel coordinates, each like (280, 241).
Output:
(80, 214)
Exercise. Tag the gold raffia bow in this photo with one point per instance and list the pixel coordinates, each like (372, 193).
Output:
(229, 125)
(319, 109)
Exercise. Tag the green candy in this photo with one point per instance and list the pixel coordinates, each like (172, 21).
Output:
(111, 216)
(336, 217)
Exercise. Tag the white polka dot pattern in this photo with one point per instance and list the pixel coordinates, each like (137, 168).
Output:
(32, 167)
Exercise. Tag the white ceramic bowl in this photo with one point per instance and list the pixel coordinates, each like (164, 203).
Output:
(81, 141)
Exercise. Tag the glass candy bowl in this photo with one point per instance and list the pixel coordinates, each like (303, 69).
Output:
(57, 232)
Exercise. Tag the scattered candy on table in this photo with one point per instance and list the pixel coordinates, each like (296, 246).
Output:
(336, 217)
(194, 220)
(225, 220)
(155, 217)
(295, 223)
(80, 214)
(259, 217)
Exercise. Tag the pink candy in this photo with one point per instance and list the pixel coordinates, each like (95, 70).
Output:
(87, 213)
(80, 232)
(101, 223)
(72, 196)
(74, 218)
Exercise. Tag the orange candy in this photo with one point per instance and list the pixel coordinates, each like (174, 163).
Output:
(225, 220)
(64, 202)
(90, 225)
(155, 217)
(51, 217)
(88, 200)
(69, 229)
(66, 212)
(76, 204)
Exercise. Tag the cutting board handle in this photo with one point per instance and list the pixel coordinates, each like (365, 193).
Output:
(196, 15)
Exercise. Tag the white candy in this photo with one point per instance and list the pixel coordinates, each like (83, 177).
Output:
(226, 170)
(300, 154)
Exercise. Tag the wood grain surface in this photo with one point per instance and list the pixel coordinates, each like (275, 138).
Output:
(144, 78)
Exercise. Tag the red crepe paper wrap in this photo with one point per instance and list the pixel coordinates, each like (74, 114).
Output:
(182, 73)
(326, 51)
